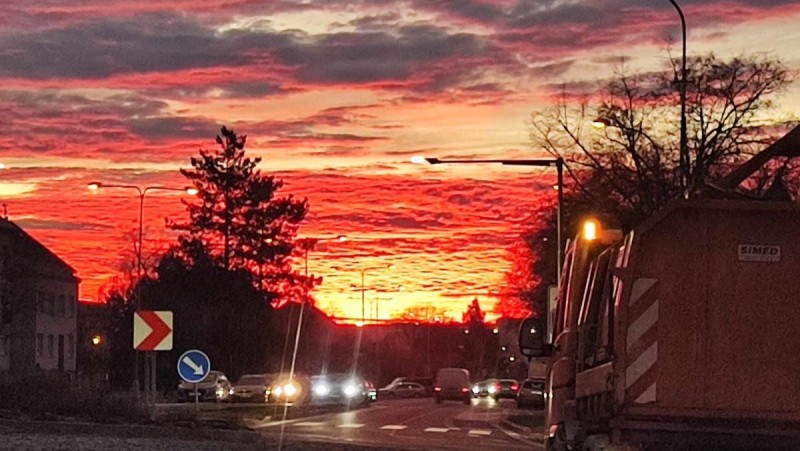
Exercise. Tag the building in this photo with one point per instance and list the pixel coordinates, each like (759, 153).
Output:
(38, 310)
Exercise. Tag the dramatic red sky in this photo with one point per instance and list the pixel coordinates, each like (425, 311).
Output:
(336, 96)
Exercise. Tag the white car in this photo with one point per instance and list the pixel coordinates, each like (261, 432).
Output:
(215, 387)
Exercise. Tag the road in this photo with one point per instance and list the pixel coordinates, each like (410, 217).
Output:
(408, 424)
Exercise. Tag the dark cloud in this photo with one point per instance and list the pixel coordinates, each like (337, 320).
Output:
(51, 224)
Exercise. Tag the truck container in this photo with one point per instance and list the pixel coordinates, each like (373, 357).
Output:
(682, 333)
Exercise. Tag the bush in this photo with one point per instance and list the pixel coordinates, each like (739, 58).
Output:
(53, 397)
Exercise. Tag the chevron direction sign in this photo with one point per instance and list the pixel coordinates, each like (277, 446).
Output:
(152, 331)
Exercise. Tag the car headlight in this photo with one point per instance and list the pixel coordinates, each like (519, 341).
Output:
(492, 389)
(350, 390)
(278, 390)
(220, 392)
(321, 390)
(476, 389)
(290, 390)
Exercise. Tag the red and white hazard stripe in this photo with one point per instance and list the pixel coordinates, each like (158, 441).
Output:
(642, 342)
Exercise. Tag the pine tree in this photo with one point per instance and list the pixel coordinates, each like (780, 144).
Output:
(239, 217)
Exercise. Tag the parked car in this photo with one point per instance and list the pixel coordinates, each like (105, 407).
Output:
(403, 390)
(293, 390)
(215, 387)
(506, 388)
(252, 388)
(452, 384)
(339, 389)
(531, 393)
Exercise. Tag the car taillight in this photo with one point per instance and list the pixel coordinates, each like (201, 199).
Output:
(514, 387)
(437, 388)
(464, 389)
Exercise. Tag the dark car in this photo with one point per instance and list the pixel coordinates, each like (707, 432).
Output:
(252, 388)
(452, 384)
(506, 389)
(531, 393)
(339, 389)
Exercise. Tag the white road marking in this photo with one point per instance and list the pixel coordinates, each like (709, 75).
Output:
(483, 432)
(309, 423)
(275, 423)
(437, 429)
(350, 426)
(394, 427)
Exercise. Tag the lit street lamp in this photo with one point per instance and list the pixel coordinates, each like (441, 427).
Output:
(142, 191)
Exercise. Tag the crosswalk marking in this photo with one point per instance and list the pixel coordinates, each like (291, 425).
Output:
(437, 429)
(394, 427)
(350, 426)
(309, 423)
(483, 432)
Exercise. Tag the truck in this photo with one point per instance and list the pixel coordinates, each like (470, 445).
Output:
(681, 333)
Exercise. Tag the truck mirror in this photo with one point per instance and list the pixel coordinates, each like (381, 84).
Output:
(531, 338)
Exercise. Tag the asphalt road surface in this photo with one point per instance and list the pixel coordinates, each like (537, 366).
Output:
(407, 424)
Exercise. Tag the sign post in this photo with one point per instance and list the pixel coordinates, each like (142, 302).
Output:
(193, 366)
(152, 331)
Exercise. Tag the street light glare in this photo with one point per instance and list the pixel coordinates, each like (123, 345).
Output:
(418, 159)
(341, 238)
(2, 166)
(391, 266)
(192, 191)
(601, 123)
(94, 186)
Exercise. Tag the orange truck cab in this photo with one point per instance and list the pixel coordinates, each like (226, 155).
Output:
(681, 334)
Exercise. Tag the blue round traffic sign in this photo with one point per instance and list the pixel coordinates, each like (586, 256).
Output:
(193, 366)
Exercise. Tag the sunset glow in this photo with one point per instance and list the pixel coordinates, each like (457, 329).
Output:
(337, 97)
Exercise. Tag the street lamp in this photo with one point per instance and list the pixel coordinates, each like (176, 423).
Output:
(684, 140)
(378, 298)
(558, 163)
(363, 289)
(142, 191)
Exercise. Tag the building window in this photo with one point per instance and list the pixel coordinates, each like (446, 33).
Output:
(50, 345)
(61, 304)
(71, 307)
(71, 345)
(39, 344)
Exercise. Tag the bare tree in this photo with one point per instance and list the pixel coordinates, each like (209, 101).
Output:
(635, 164)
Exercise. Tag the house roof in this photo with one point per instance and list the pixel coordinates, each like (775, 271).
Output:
(31, 250)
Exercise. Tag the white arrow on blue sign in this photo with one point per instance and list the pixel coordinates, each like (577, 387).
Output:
(193, 366)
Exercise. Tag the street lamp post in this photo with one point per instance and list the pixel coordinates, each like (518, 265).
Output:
(142, 192)
(684, 140)
(558, 163)
(363, 288)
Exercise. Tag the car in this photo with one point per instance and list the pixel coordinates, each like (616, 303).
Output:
(452, 384)
(294, 389)
(403, 390)
(531, 393)
(372, 392)
(506, 389)
(252, 388)
(485, 388)
(343, 389)
(214, 387)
